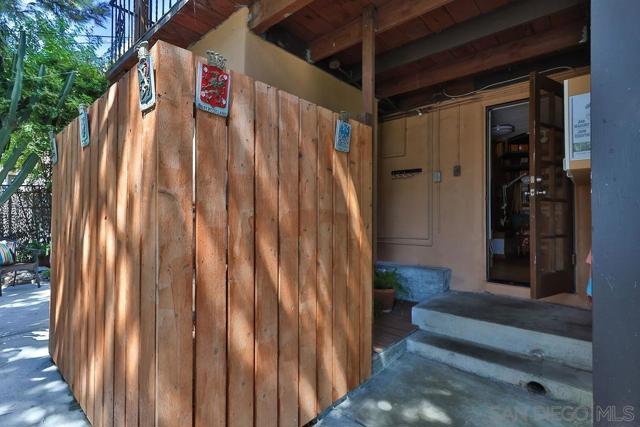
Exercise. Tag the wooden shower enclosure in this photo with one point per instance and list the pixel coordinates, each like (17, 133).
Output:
(210, 271)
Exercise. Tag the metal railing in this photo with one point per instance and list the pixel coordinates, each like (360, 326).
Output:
(131, 19)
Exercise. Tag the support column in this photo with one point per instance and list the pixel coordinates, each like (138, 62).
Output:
(615, 156)
(369, 104)
(368, 63)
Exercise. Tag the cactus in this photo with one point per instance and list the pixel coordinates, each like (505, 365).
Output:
(18, 114)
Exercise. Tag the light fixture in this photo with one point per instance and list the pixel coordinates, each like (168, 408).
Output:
(502, 129)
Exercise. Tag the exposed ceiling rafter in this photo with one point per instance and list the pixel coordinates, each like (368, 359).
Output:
(389, 15)
(516, 51)
(264, 14)
(512, 15)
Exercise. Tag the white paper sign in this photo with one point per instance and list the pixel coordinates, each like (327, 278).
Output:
(581, 125)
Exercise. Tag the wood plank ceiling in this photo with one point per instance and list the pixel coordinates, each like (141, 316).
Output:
(323, 26)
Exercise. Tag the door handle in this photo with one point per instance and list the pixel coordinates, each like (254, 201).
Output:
(533, 192)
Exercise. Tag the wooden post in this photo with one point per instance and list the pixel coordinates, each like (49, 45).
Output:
(368, 63)
(371, 117)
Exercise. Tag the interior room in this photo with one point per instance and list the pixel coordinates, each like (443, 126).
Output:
(508, 196)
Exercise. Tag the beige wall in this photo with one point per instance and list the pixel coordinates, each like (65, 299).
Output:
(266, 62)
(441, 224)
(438, 224)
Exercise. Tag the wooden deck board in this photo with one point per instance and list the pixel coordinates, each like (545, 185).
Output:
(389, 328)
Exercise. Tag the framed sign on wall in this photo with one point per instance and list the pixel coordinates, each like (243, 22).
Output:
(580, 124)
(577, 108)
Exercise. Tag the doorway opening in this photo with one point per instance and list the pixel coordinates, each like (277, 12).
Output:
(508, 207)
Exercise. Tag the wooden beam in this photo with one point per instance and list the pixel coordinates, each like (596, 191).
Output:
(509, 53)
(368, 165)
(368, 61)
(265, 14)
(512, 15)
(390, 15)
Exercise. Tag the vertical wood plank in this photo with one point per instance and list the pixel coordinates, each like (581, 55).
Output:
(76, 236)
(353, 252)
(109, 165)
(84, 243)
(340, 247)
(307, 263)
(148, 215)
(174, 318)
(288, 218)
(56, 234)
(75, 356)
(366, 269)
(53, 255)
(326, 132)
(63, 249)
(266, 355)
(119, 379)
(67, 300)
(91, 239)
(70, 273)
(211, 272)
(101, 174)
(241, 252)
(67, 356)
(53, 273)
(59, 249)
(132, 313)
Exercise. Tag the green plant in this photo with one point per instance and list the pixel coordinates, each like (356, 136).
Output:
(42, 247)
(52, 41)
(388, 279)
(18, 112)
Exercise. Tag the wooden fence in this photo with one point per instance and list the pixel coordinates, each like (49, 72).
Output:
(255, 308)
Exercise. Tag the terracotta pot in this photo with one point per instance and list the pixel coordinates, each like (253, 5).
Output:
(385, 298)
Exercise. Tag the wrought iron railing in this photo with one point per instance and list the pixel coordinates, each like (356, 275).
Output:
(131, 19)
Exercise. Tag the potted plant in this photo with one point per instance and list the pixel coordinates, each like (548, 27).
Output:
(386, 283)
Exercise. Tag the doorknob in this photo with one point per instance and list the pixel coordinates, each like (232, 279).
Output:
(533, 192)
(530, 179)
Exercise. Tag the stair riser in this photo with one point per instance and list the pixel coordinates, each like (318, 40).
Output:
(565, 350)
(500, 373)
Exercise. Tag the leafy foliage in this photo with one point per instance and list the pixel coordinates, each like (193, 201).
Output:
(77, 11)
(388, 279)
(52, 55)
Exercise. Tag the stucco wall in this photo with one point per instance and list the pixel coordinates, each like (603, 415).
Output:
(436, 224)
(229, 39)
(266, 62)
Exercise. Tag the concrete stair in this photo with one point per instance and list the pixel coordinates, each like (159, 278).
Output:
(543, 347)
(559, 381)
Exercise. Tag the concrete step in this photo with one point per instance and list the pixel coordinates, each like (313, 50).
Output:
(557, 381)
(530, 328)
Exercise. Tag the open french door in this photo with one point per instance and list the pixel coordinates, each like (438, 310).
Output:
(550, 192)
